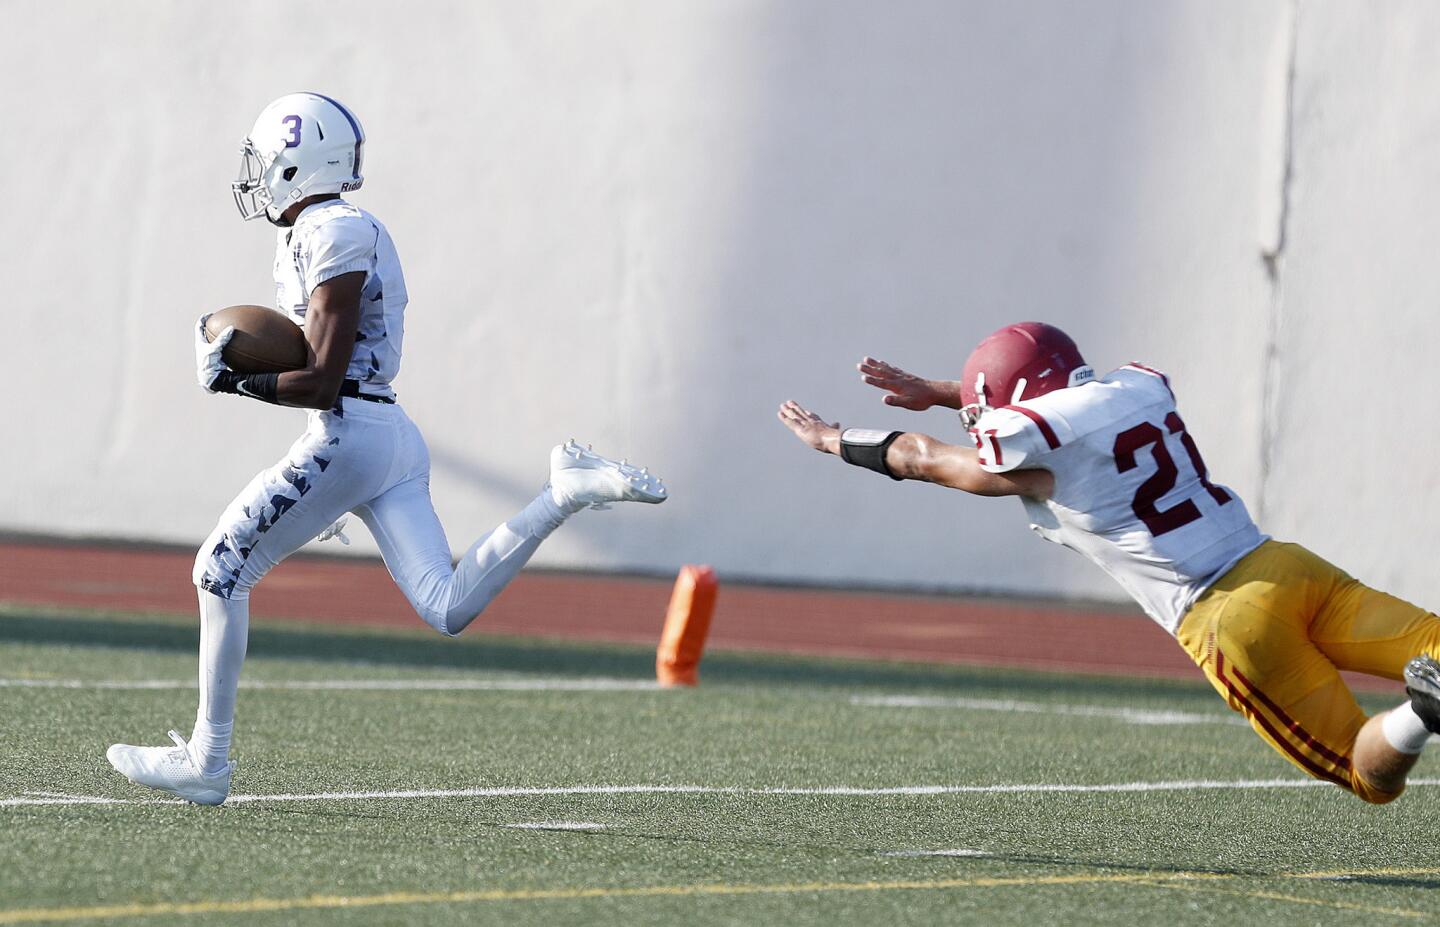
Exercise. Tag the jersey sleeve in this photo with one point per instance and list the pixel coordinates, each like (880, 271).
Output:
(343, 245)
(1148, 375)
(1008, 439)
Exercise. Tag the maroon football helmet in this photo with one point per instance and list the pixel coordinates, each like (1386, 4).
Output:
(1018, 362)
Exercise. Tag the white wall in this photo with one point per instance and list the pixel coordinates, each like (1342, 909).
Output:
(646, 223)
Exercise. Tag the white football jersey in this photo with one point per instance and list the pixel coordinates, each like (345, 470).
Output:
(1131, 490)
(331, 238)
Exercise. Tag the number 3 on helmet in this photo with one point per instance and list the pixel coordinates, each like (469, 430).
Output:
(1018, 362)
(302, 145)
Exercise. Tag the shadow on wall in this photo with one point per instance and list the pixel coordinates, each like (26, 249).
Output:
(489, 481)
(945, 168)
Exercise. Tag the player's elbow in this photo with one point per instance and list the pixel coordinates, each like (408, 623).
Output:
(922, 457)
(948, 465)
(326, 395)
(322, 400)
(315, 390)
(911, 456)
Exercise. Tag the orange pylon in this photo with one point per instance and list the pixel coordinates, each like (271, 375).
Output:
(687, 622)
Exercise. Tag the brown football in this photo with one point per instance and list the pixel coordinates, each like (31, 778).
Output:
(264, 342)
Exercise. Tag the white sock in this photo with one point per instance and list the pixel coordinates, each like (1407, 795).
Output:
(1404, 729)
(562, 503)
(210, 745)
(224, 633)
(546, 512)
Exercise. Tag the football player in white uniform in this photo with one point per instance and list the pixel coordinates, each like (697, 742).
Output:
(1105, 467)
(338, 276)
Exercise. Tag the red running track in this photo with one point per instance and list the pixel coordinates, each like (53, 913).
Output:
(579, 606)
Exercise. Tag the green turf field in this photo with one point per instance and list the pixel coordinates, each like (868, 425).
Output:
(782, 791)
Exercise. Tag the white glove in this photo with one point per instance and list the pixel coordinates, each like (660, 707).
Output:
(208, 364)
(336, 531)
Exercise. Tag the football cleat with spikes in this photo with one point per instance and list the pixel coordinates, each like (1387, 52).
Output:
(1422, 684)
(171, 769)
(584, 478)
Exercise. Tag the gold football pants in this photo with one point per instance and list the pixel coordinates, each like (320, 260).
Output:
(1272, 636)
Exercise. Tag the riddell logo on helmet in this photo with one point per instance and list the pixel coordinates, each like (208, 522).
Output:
(1083, 374)
(349, 185)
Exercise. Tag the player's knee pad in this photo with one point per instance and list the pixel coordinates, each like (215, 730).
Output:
(434, 603)
(457, 621)
(437, 619)
(223, 565)
(449, 622)
(432, 608)
(220, 564)
(1367, 792)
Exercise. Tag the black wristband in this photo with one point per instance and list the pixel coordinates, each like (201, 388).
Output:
(865, 448)
(261, 386)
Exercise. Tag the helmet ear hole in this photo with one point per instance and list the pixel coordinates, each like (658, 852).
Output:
(288, 174)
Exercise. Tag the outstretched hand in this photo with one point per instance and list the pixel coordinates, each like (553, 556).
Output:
(906, 389)
(810, 428)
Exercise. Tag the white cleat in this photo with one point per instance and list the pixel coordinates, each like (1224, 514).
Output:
(584, 478)
(171, 769)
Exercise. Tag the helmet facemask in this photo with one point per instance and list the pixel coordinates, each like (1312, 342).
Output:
(264, 188)
(970, 413)
(252, 194)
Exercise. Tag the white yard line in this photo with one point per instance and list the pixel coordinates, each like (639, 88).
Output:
(556, 825)
(1132, 715)
(587, 684)
(75, 800)
(607, 684)
(1039, 788)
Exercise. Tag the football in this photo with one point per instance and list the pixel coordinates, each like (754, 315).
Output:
(265, 341)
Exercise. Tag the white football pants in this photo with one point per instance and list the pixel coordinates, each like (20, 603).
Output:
(369, 459)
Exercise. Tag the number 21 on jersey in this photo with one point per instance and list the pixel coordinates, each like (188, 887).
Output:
(1132, 440)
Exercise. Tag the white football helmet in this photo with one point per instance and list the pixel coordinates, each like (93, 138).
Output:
(303, 144)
